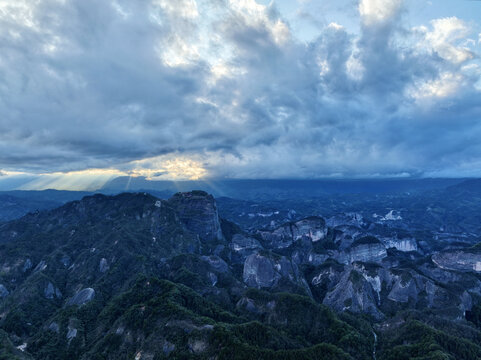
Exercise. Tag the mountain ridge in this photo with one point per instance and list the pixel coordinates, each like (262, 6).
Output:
(134, 276)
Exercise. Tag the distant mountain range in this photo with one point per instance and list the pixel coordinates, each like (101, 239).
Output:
(304, 196)
(16, 203)
(281, 189)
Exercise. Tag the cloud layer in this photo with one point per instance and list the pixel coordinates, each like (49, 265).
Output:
(224, 87)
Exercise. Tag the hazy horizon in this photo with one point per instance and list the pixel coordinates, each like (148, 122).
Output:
(129, 183)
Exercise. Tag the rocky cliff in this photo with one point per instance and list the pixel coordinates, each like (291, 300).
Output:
(460, 260)
(133, 274)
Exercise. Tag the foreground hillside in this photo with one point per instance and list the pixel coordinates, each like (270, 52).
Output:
(134, 277)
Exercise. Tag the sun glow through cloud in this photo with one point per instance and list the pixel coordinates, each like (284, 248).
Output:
(157, 168)
(161, 168)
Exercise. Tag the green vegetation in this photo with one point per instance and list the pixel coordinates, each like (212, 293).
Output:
(8, 351)
(166, 314)
(161, 291)
(417, 340)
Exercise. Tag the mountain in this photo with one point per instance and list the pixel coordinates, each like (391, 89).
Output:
(16, 203)
(472, 186)
(279, 189)
(132, 276)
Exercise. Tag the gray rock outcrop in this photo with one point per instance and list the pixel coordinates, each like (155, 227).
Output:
(354, 293)
(367, 253)
(198, 212)
(71, 333)
(365, 249)
(243, 246)
(51, 292)
(260, 272)
(459, 260)
(405, 244)
(103, 265)
(54, 327)
(82, 297)
(3, 291)
(42, 265)
(269, 270)
(216, 263)
(353, 219)
(27, 265)
(312, 228)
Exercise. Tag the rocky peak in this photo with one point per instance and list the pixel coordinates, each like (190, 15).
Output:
(350, 218)
(312, 228)
(197, 210)
(367, 249)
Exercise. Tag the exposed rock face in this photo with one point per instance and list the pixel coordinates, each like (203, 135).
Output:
(260, 272)
(413, 287)
(280, 238)
(103, 265)
(198, 212)
(459, 260)
(3, 291)
(216, 263)
(42, 265)
(367, 253)
(313, 258)
(82, 297)
(27, 265)
(366, 249)
(243, 246)
(353, 219)
(302, 252)
(354, 293)
(71, 333)
(52, 292)
(440, 275)
(312, 228)
(405, 245)
(346, 234)
(167, 348)
(256, 307)
(197, 346)
(248, 305)
(269, 270)
(49, 291)
(213, 278)
(373, 288)
(326, 277)
(65, 260)
(54, 327)
(405, 289)
(392, 215)
(330, 274)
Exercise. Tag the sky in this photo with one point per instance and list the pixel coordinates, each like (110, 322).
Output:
(218, 89)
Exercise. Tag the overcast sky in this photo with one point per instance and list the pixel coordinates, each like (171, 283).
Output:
(184, 89)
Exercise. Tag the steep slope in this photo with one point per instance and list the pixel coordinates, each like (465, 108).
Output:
(135, 277)
(132, 276)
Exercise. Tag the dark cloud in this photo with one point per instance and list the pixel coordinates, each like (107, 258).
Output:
(101, 84)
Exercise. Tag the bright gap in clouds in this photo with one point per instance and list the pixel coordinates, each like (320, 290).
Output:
(158, 168)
